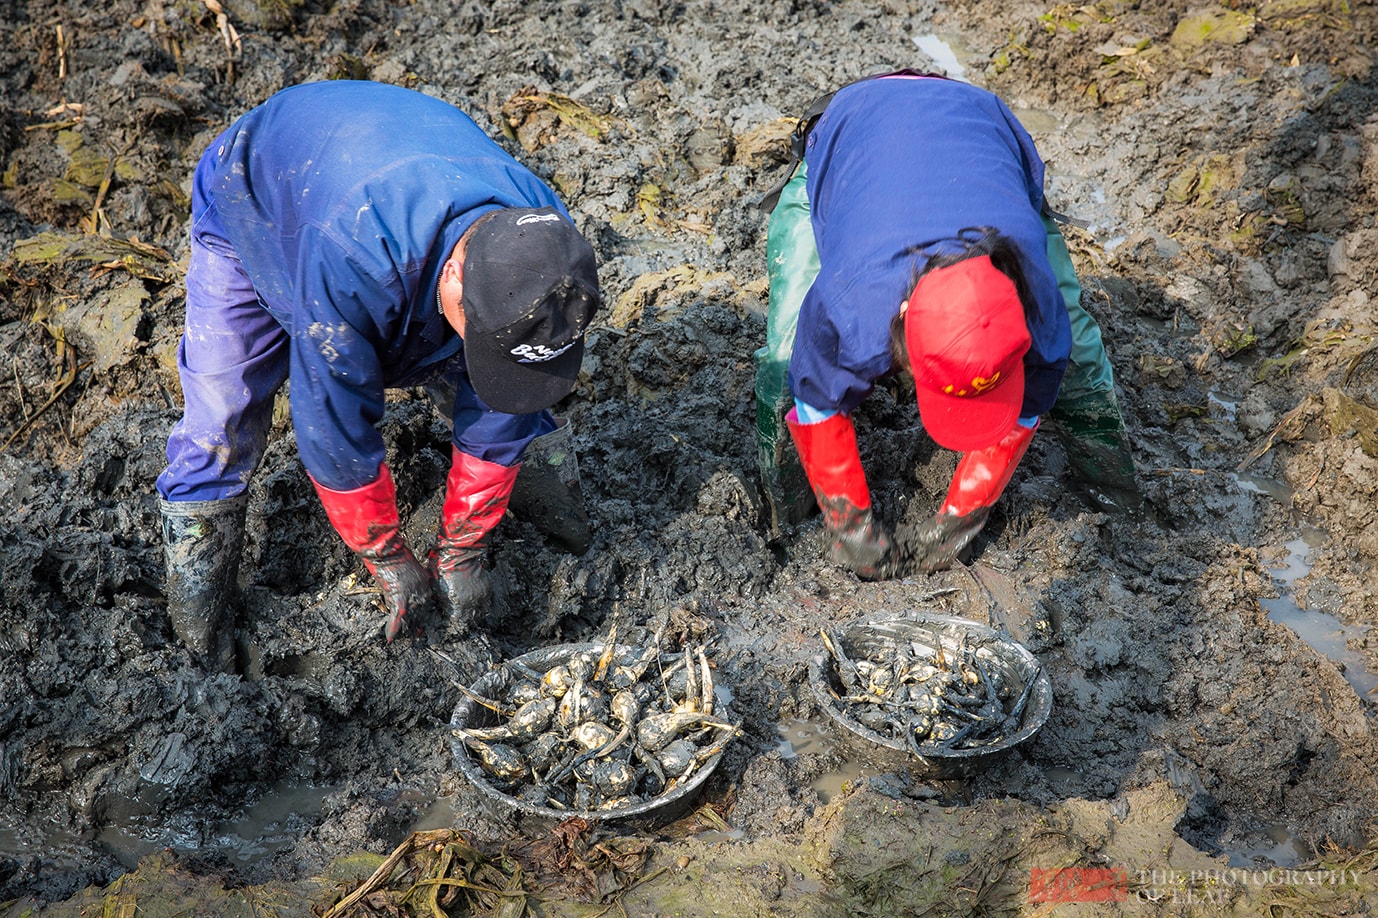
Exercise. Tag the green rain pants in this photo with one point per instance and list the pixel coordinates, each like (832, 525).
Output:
(791, 266)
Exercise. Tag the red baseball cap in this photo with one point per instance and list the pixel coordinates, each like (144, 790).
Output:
(967, 336)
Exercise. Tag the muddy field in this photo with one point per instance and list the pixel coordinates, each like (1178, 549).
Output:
(1211, 659)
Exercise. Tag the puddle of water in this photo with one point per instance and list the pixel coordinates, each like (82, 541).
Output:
(23, 842)
(1298, 561)
(1037, 121)
(801, 737)
(1256, 484)
(1068, 779)
(1227, 404)
(806, 737)
(267, 826)
(439, 815)
(11, 842)
(1275, 844)
(940, 51)
(835, 782)
(127, 846)
(1326, 633)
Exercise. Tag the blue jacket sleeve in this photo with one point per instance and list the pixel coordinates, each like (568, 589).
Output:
(1049, 325)
(337, 390)
(491, 435)
(840, 350)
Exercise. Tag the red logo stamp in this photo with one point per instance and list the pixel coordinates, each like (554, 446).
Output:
(1078, 884)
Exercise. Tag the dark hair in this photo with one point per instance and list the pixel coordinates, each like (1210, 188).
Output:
(482, 219)
(977, 241)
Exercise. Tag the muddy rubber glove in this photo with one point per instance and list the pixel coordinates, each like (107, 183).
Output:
(366, 518)
(977, 484)
(476, 496)
(828, 452)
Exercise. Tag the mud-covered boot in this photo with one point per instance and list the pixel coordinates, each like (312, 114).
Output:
(789, 497)
(547, 493)
(202, 540)
(1092, 432)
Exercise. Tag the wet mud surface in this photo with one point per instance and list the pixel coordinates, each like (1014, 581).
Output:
(1225, 158)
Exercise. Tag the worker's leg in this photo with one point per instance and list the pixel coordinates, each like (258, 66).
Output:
(791, 266)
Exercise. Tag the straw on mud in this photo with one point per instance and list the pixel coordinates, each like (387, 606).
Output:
(63, 44)
(617, 899)
(1355, 362)
(1267, 443)
(91, 223)
(380, 876)
(706, 682)
(709, 815)
(228, 35)
(68, 355)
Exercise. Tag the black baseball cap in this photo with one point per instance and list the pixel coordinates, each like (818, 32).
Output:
(530, 291)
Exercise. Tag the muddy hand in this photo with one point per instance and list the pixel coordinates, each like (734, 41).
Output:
(406, 588)
(466, 594)
(934, 544)
(829, 455)
(860, 542)
(366, 518)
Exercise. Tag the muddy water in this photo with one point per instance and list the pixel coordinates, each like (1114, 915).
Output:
(1330, 636)
(808, 738)
(1337, 641)
(944, 56)
(260, 831)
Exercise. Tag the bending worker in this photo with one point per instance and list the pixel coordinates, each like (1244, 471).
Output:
(913, 236)
(357, 237)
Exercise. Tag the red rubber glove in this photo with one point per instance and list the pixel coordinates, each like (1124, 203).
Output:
(829, 455)
(366, 518)
(476, 495)
(977, 484)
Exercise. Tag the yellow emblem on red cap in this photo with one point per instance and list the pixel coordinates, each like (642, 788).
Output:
(979, 384)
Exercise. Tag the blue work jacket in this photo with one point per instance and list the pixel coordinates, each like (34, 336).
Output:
(897, 168)
(343, 200)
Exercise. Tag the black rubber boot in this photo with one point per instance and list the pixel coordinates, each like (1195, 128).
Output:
(202, 540)
(1092, 432)
(789, 498)
(547, 493)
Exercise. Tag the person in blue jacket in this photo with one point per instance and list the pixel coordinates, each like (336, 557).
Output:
(356, 237)
(913, 236)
